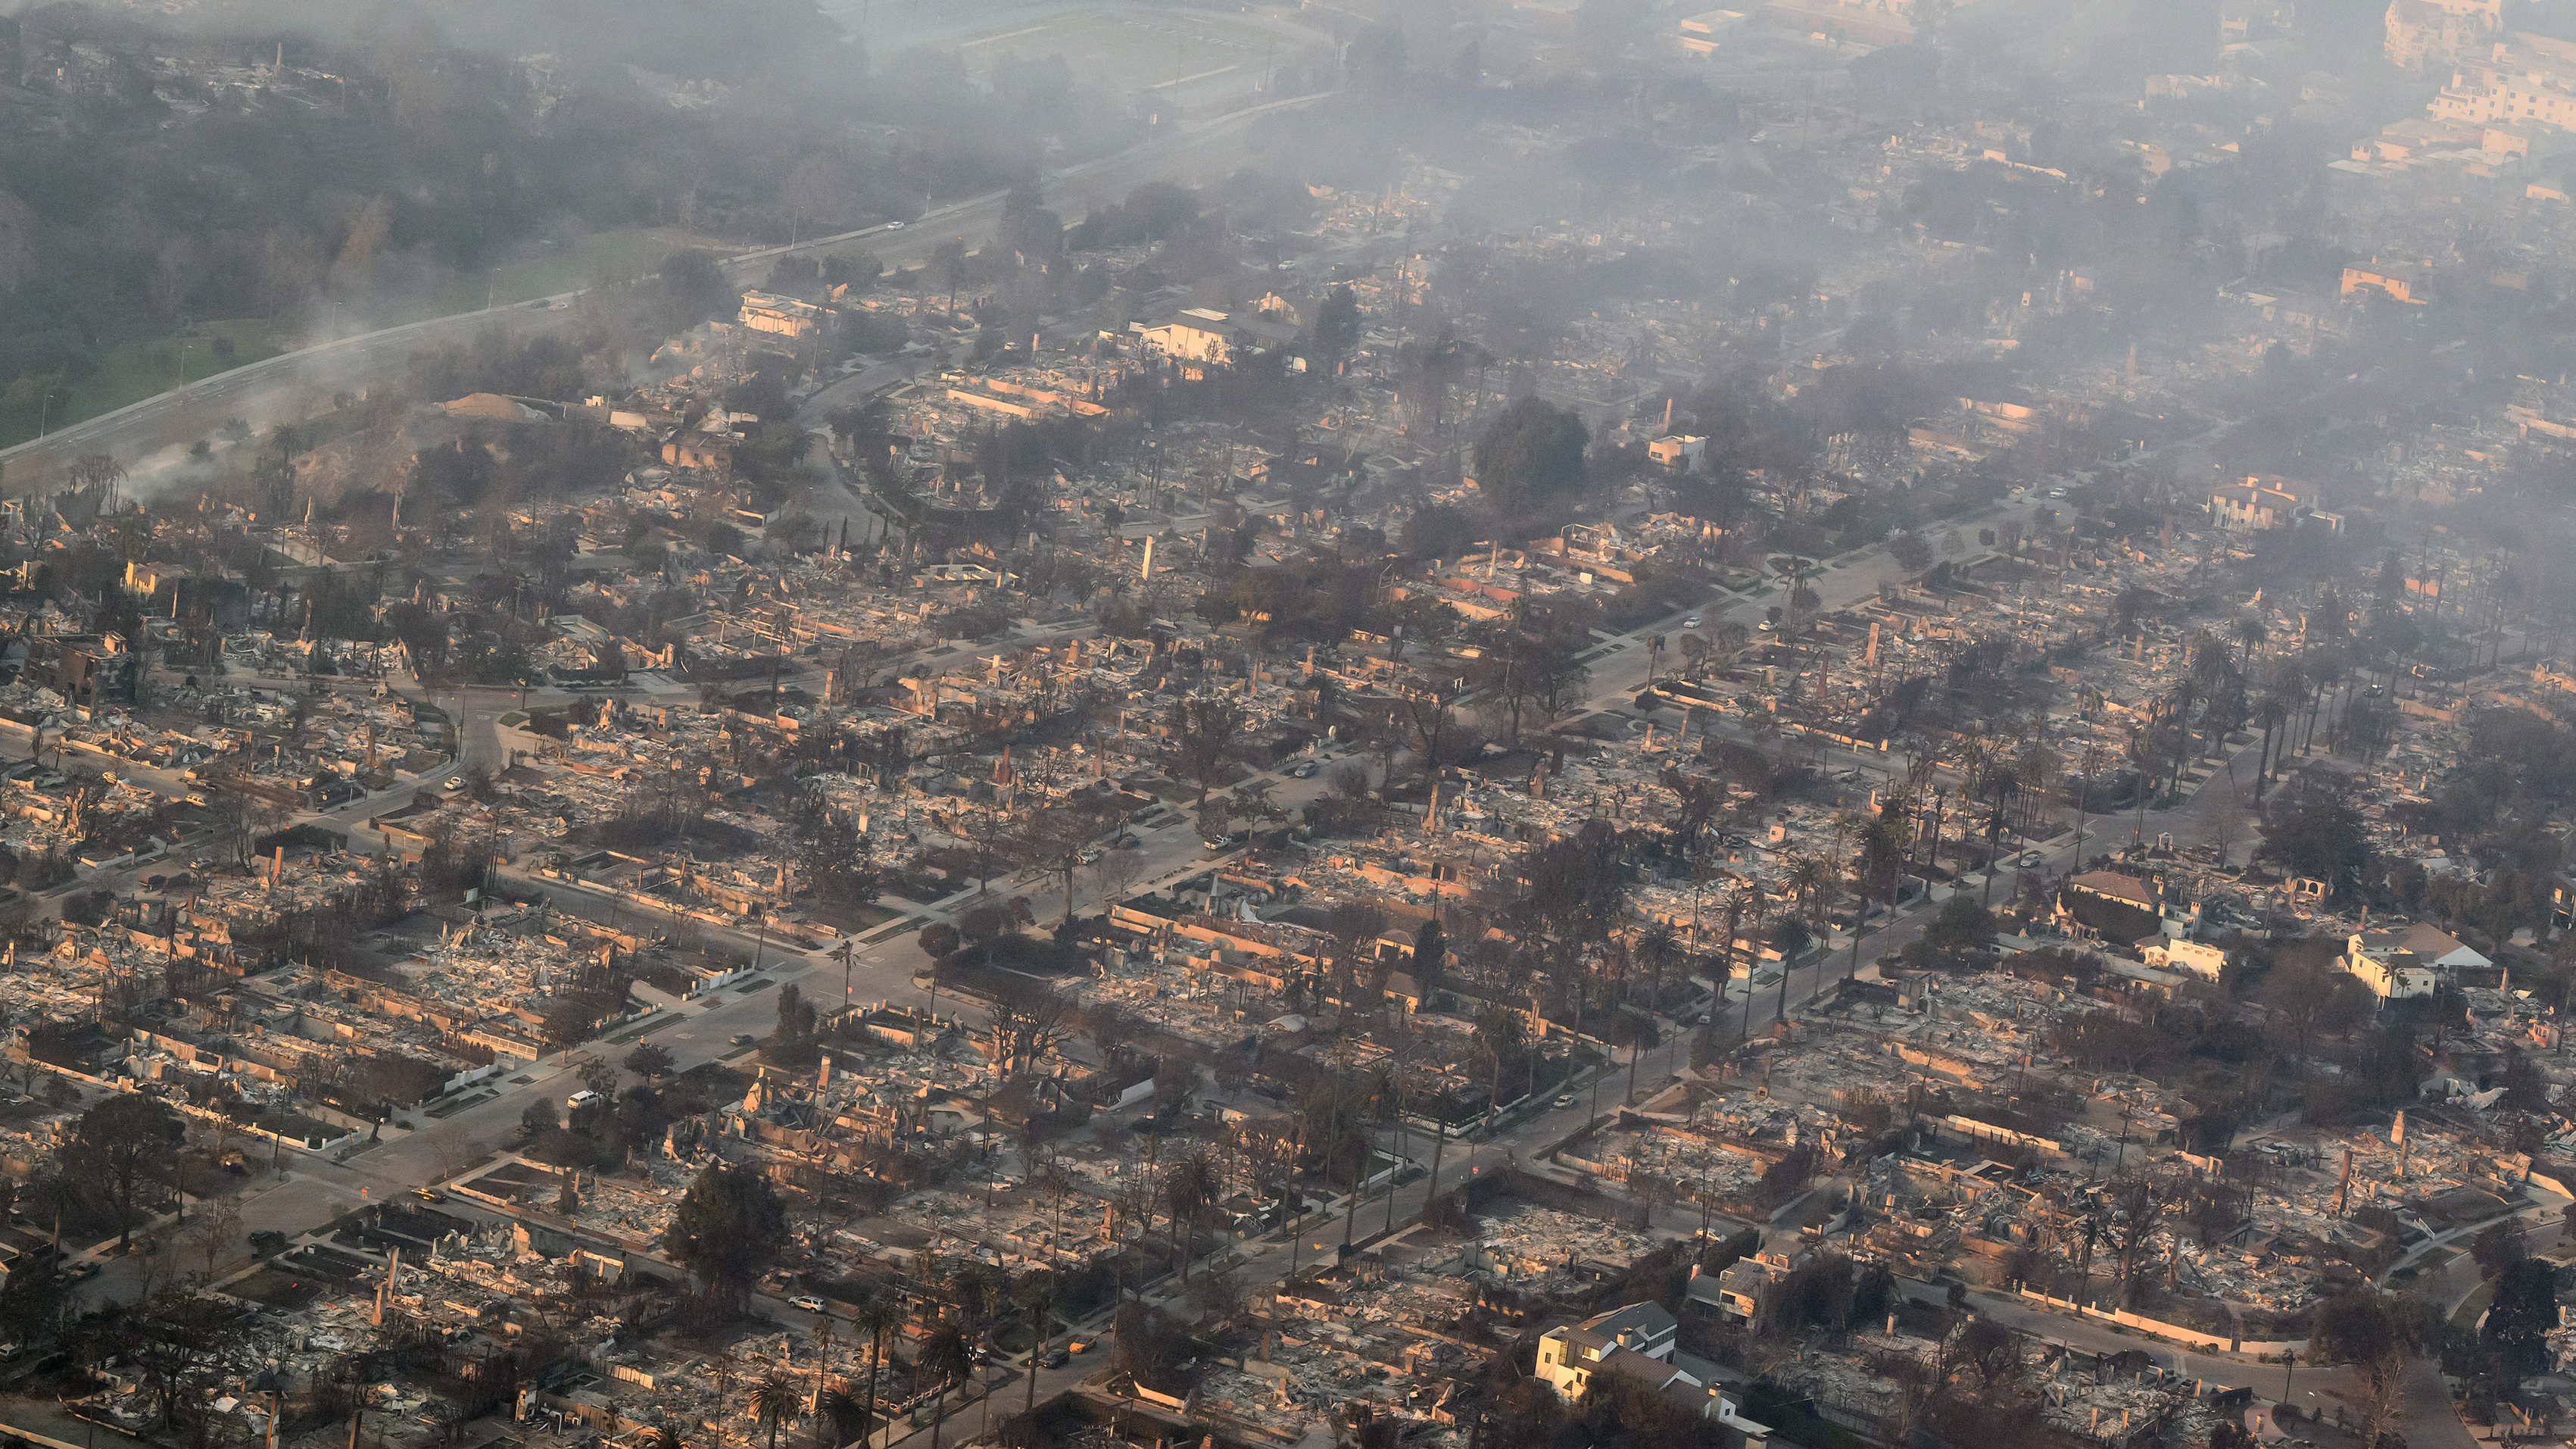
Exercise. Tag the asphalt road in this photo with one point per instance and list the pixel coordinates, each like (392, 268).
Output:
(151, 436)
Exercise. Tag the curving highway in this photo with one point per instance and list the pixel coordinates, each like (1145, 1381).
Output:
(151, 437)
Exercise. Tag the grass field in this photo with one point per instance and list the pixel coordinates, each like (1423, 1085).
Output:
(545, 271)
(133, 371)
(1127, 50)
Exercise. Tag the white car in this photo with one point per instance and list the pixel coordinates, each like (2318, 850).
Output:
(1691, 623)
(808, 1302)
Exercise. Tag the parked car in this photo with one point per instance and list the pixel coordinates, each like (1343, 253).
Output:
(1303, 770)
(1056, 1357)
(1691, 623)
(428, 1194)
(1566, 1101)
(1128, 841)
(744, 1039)
(808, 1302)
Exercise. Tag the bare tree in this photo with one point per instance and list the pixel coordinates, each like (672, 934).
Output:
(1114, 873)
(2138, 1202)
(217, 1229)
(1027, 1023)
(1204, 731)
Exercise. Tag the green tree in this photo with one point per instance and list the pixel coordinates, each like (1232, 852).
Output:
(2359, 1325)
(1430, 948)
(875, 1317)
(1205, 729)
(1531, 455)
(774, 1401)
(119, 1148)
(947, 1359)
(2317, 835)
(1337, 327)
(729, 1228)
(2497, 1247)
(1375, 58)
(1499, 1032)
(1037, 1291)
(2525, 1309)
(948, 270)
(696, 288)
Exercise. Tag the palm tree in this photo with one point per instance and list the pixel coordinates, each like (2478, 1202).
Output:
(835, 1409)
(822, 1366)
(2186, 693)
(722, 1364)
(1810, 881)
(2085, 766)
(946, 1357)
(1037, 1292)
(1356, 1137)
(1637, 1032)
(1657, 950)
(774, 1401)
(2274, 711)
(1440, 1106)
(1386, 1096)
(983, 1289)
(665, 1435)
(975, 1288)
(2326, 673)
(876, 1318)
(1744, 1024)
(1188, 1188)
(2250, 635)
(1881, 854)
(1738, 902)
(1499, 1033)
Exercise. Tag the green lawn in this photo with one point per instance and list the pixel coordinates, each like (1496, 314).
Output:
(133, 371)
(545, 271)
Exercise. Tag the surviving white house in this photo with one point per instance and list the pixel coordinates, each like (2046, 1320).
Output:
(2409, 960)
(1637, 1343)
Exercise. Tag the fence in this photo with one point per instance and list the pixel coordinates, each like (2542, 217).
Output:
(2157, 1328)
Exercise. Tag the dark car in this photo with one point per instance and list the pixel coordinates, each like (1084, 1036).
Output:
(744, 1038)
